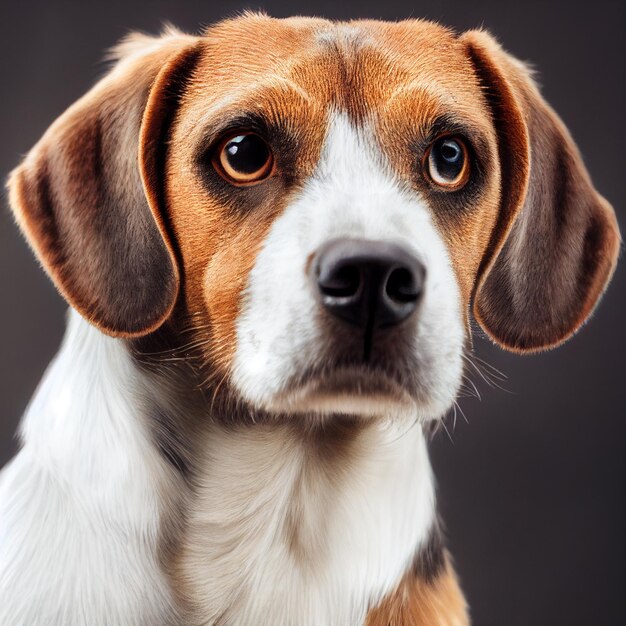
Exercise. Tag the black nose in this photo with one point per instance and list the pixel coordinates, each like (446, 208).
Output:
(368, 283)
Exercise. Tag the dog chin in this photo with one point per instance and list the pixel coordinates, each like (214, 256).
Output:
(347, 392)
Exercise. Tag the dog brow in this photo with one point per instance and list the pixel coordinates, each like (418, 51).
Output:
(299, 89)
(416, 86)
(276, 81)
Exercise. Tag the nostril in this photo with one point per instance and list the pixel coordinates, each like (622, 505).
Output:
(369, 284)
(342, 281)
(403, 285)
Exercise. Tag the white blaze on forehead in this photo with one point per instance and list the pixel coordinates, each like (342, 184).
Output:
(343, 33)
(352, 193)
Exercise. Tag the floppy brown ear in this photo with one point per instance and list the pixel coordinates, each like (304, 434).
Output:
(556, 241)
(87, 195)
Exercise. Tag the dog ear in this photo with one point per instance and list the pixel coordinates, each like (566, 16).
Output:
(555, 244)
(87, 195)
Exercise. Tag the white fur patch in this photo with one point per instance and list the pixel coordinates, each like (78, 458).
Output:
(80, 505)
(353, 193)
(280, 534)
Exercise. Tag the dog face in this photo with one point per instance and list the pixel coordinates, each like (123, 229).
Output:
(324, 212)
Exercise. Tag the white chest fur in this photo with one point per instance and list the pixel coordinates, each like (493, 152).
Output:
(284, 530)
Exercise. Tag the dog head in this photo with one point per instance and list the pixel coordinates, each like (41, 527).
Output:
(324, 204)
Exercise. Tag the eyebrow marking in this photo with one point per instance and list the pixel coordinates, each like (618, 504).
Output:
(299, 89)
(416, 85)
(237, 95)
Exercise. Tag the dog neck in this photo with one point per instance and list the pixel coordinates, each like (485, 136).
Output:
(302, 524)
(307, 530)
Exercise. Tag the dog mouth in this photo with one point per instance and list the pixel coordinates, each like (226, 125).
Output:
(351, 389)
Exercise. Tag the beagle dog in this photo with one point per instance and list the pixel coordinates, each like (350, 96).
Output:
(271, 237)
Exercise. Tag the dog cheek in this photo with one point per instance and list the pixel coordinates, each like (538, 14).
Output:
(225, 281)
(466, 239)
(223, 285)
(441, 329)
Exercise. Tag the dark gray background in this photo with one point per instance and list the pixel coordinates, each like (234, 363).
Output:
(533, 487)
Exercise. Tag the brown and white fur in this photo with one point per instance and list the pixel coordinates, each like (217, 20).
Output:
(209, 447)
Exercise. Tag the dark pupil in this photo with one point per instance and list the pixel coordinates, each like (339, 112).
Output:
(448, 158)
(247, 154)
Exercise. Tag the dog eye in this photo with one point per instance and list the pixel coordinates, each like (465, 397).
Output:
(448, 163)
(243, 159)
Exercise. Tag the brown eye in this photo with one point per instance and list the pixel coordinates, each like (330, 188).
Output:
(244, 159)
(448, 163)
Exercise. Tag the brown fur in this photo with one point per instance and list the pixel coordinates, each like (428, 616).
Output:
(420, 602)
(556, 243)
(80, 200)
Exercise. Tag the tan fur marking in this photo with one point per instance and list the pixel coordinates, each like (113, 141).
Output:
(419, 603)
(555, 246)
(386, 76)
(78, 193)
